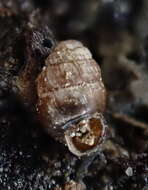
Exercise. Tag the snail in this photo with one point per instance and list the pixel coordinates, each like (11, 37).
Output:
(71, 98)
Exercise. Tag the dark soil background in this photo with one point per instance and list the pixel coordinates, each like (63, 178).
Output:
(116, 32)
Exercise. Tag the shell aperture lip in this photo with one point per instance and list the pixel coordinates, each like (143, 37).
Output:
(85, 136)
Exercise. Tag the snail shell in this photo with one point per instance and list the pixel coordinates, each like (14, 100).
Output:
(71, 97)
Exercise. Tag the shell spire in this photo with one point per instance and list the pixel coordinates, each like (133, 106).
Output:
(69, 89)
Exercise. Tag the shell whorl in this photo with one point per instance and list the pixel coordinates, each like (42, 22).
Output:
(67, 51)
(69, 85)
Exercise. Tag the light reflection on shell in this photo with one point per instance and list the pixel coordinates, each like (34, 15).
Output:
(70, 87)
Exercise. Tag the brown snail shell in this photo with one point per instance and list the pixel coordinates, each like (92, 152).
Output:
(71, 97)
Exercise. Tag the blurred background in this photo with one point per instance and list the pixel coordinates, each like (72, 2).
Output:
(116, 32)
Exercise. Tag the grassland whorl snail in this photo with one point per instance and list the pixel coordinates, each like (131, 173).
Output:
(71, 97)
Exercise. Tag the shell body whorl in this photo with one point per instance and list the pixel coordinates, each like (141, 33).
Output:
(69, 86)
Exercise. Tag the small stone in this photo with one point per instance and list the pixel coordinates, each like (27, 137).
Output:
(78, 134)
(129, 171)
(20, 153)
(57, 165)
(73, 134)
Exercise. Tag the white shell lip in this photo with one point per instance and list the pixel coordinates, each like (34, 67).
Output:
(77, 152)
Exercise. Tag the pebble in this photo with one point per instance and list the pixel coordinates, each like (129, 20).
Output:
(129, 171)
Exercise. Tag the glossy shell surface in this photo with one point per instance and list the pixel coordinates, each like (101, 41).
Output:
(69, 86)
